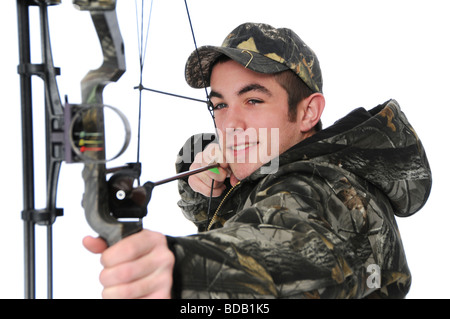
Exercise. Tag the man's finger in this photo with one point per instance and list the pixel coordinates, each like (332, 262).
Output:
(94, 245)
(132, 247)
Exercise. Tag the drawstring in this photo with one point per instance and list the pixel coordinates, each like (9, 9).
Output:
(209, 104)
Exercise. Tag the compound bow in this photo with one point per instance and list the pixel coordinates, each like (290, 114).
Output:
(75, 133)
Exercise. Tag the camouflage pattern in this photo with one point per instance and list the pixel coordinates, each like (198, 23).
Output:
(261, 48)
(313, 228)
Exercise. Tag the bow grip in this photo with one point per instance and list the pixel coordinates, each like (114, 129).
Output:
(97, 210)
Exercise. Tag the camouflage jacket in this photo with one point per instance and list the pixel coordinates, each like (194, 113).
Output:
(321, 226)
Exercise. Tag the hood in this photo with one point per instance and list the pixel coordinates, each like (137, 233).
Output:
(379, 146)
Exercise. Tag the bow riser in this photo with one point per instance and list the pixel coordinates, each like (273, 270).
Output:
(95, 198)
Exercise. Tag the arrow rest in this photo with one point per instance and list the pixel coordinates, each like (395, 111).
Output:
(129, 201)
(126, 200)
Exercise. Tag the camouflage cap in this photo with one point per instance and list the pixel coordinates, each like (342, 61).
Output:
(261, 48)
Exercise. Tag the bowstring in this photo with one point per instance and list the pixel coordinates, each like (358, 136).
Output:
(197, 52)
(142, 49)
(208, 103)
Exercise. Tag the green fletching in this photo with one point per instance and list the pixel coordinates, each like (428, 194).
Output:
(214, 170)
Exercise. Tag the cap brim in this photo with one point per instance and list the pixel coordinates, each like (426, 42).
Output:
(200, 62)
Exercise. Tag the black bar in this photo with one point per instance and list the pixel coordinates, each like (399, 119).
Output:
(49, 262)
(27, 147)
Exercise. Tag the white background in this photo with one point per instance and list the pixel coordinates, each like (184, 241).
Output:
(370, 51)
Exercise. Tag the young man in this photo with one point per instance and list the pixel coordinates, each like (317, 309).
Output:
(296, 212)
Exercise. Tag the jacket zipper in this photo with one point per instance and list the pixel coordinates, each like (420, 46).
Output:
(220, 205)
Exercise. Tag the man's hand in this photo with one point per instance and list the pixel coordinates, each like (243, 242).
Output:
(139, 266)
(201, 182)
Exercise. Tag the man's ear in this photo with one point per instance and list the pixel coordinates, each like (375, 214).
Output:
(310, 110)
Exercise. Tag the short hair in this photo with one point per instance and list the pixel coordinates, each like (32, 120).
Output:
(297, 91)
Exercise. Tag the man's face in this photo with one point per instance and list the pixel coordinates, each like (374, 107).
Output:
(251, 112)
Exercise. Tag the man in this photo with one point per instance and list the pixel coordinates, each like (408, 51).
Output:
(295, 211)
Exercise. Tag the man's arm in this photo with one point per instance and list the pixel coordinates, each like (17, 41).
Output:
(273, 254)
(300, 238)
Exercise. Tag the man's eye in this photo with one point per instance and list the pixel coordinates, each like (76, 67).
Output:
(219, 106)
(254, 101)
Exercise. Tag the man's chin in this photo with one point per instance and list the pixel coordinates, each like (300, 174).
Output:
(243, 170)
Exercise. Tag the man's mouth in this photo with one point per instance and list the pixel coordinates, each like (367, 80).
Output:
(241, 147)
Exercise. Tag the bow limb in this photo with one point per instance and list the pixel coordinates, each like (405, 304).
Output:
(95, 198)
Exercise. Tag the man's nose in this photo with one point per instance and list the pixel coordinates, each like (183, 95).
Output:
(235, 119)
